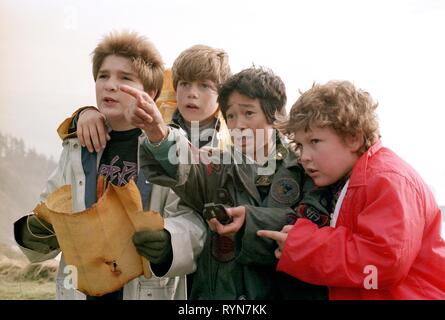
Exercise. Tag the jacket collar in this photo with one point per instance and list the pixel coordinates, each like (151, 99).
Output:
(290, 159)
(358, 176)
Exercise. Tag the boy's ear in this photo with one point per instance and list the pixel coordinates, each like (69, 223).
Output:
(355, 143)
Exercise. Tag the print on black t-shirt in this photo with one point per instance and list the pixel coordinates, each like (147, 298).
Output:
(118, 164)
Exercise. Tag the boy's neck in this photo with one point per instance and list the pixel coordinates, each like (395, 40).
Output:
(119, 125)
(202, 124)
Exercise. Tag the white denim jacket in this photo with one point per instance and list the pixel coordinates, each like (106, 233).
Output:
(186, 227)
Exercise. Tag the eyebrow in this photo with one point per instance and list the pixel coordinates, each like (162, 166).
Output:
(127, 73)
(119, 71)
(244, 105)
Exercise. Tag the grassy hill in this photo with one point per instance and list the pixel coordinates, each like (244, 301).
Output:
(23, 174)
(21, 280)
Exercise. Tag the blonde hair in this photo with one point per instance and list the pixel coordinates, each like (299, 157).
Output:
(339, 105)
(145, 58)
(201, 62)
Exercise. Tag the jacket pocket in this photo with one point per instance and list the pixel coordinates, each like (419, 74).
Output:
(156, 289)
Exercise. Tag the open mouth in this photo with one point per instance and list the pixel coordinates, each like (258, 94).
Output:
(192, 107)
(109, 100)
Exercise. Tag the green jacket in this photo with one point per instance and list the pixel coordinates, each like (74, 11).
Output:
(250, 273)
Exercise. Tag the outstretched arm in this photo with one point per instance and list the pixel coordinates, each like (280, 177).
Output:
(387, 235)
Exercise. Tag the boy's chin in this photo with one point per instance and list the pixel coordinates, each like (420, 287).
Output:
(322, 183)
(112, 113)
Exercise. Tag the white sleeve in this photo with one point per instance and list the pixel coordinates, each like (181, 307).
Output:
(188, 232)
(55, 180)
(58, 176)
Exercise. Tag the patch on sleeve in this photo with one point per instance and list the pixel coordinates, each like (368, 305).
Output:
(313, 214)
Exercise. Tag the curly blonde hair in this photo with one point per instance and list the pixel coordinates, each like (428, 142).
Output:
(146, 59)
(339, 105)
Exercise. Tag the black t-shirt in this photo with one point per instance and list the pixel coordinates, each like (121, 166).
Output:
(118, 164)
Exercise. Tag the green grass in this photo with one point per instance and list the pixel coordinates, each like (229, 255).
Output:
(20, 280)
(27, 290)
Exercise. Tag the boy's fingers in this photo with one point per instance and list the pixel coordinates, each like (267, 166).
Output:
(94, 135)
(144, 101)
(101, 131)
(217, 227)
(228, 229)
(143, 116)
(236, 212)
(135, 93)
(86, 139)
(212, 224)
(277, 253)
(274, 235)
(146, 105)
(287, 228)
(80, 136)
(138, 118)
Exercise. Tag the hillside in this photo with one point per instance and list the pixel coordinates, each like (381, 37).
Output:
(21, 280)
(23, 174)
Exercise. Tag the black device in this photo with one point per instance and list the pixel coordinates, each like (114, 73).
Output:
(218, 211)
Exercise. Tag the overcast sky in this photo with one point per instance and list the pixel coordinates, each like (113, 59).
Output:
(393, 49)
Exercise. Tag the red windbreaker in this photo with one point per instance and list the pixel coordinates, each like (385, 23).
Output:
(386, 243)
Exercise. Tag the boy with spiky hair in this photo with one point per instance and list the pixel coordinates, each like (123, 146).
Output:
(121, 58)
(145, 59)
(384, 238)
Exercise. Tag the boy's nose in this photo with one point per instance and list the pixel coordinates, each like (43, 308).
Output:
(111, 85)
(304, 156)
(193, 91)
(240, 124)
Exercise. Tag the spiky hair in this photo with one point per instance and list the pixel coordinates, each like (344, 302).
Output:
(145, 58)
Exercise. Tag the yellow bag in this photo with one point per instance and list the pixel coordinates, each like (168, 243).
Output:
(98, 241)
